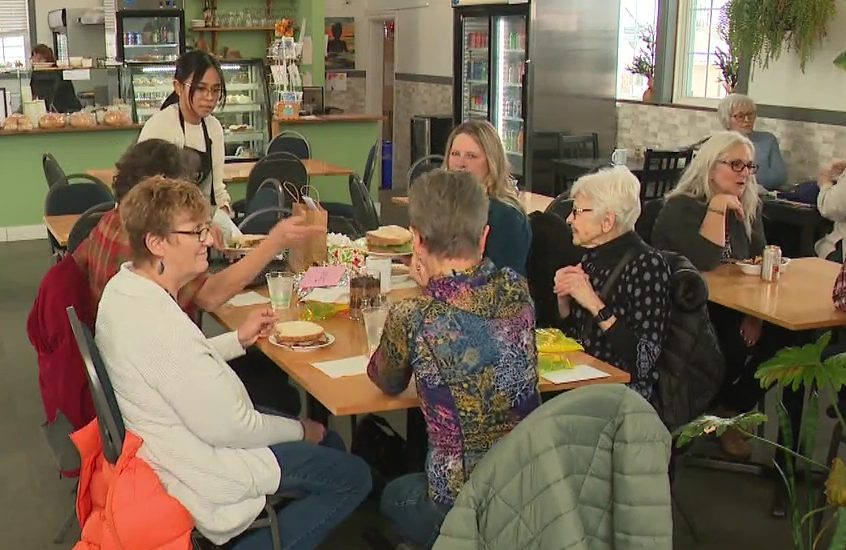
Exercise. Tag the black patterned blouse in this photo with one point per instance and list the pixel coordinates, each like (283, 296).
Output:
(640, 301)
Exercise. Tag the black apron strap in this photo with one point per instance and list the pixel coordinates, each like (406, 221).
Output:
(206, 169)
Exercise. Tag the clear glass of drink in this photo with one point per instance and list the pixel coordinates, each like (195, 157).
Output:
(280, 287)
(374, 323)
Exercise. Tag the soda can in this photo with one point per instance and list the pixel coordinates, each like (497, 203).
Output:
(771, 263)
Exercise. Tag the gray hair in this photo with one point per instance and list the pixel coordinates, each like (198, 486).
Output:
(696, 180)
(728, 105)
(614, 190)
(449, 210)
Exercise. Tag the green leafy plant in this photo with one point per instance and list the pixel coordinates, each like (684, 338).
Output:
(726, 61)
(796, 368)
(761, 29)
(644, 61)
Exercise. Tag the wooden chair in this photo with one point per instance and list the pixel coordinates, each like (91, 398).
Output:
(662, 170)
(584, 146)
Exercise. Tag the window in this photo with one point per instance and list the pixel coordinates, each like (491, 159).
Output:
(698, 80)
(14, 32)
(635, 17)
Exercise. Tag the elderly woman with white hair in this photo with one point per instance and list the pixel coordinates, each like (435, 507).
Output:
(738, 112)
(617, 300)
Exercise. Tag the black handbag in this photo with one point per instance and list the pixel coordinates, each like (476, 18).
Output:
(382, 448)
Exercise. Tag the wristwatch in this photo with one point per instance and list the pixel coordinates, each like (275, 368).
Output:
(603, 314)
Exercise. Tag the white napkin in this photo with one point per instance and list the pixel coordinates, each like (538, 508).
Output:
(248, 299)
(351, 366)
(330, 295)
(576, 374)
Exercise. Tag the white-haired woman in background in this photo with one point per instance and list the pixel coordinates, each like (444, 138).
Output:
(714, 216)
(625, 325)
(738, 112)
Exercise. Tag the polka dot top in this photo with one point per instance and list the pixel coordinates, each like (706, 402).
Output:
(640, 300)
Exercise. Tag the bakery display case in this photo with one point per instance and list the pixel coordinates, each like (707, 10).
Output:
(244, 115)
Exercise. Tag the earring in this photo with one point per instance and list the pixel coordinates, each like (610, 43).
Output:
(160, 269)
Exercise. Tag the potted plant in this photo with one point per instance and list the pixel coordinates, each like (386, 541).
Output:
(644, 61)
(796, 368)
(726, 61)
(761, 29)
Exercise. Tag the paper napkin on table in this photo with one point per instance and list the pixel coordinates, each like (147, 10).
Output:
(575, 374)
(247, 299)
(351, 366)
(331, 295)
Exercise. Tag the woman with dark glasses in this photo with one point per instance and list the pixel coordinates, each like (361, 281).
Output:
(714, 216)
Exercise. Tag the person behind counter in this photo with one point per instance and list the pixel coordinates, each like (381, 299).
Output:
(58, 94)
(186, 120)
(474, 146)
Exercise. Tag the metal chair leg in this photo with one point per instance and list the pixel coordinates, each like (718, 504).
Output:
(60, 535)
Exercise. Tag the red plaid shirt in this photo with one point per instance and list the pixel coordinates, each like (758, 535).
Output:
(106, 248)
(838, 295)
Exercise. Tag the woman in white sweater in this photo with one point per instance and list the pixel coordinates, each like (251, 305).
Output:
(186, 120)
(211, 449)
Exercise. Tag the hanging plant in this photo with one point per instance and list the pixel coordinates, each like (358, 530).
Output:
(761, 29)
(644, 61)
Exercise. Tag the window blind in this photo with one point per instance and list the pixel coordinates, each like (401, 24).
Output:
(14, 17)
(111, 27)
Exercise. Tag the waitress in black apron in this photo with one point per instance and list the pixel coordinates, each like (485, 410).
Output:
(186, 120)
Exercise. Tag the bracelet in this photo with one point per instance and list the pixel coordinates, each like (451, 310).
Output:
(716, 211)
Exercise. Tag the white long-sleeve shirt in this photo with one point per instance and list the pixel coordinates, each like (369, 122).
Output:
(831, 203)
(165, 125)
(202, 435)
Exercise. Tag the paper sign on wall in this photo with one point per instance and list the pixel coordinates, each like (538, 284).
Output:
(336, 82)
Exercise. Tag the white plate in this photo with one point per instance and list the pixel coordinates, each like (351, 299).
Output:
(388, 254)
(330, 339)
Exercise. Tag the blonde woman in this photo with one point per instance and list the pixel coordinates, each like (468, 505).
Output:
(475, 147)
(714, 215)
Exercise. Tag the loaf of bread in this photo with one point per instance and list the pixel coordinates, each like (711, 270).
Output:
(51, 121)
(17, 123)
(82, 119)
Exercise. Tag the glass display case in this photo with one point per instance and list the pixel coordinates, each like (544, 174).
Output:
(244, 117)
(145, 36)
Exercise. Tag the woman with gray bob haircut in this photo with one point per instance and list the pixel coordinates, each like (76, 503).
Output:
(737, 112)
(617, 299)
(469, 341)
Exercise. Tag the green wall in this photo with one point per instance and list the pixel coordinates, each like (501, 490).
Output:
(22, 181)
(253, 44)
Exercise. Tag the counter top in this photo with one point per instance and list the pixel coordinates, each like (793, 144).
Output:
(320, 119)
(68, 129)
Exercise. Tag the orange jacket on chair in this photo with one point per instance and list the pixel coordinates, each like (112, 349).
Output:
(125, 506)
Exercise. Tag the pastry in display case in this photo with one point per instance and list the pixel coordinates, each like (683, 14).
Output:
(244, 116)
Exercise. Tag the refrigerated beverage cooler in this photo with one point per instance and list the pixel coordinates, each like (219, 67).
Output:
(490, 70)
(150, 36)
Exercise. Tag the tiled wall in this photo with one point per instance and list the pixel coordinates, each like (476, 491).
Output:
(805, 146)
(353, 99)
(414, 98)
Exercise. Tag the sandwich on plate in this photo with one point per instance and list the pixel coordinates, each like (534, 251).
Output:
(389, 239)
(246, 241)
(299, 334)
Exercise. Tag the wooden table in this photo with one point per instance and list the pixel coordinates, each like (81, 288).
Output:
(357, 394)
(240, 171)
(799, 300)
(60, 227)
(532, 202)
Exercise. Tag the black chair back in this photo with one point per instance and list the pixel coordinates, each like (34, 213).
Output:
(53, 173)
(88, 221)
(344, 226)
(424, 165)
(661, 171)
(112, 429)
(364, 211)
(578, 147)
(283, 167)
(262, 221)
(561, 206)
(290, 142)
(648, 214)
(552, 248)
(74, 199)
(370, 167)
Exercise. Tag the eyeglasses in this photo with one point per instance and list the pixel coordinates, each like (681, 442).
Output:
(201, 233)
(576, 211)
(745, 116)
(739, 165)
(213, 93)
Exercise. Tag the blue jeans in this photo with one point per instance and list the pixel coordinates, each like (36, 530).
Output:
(334, 483)
(405, 502)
